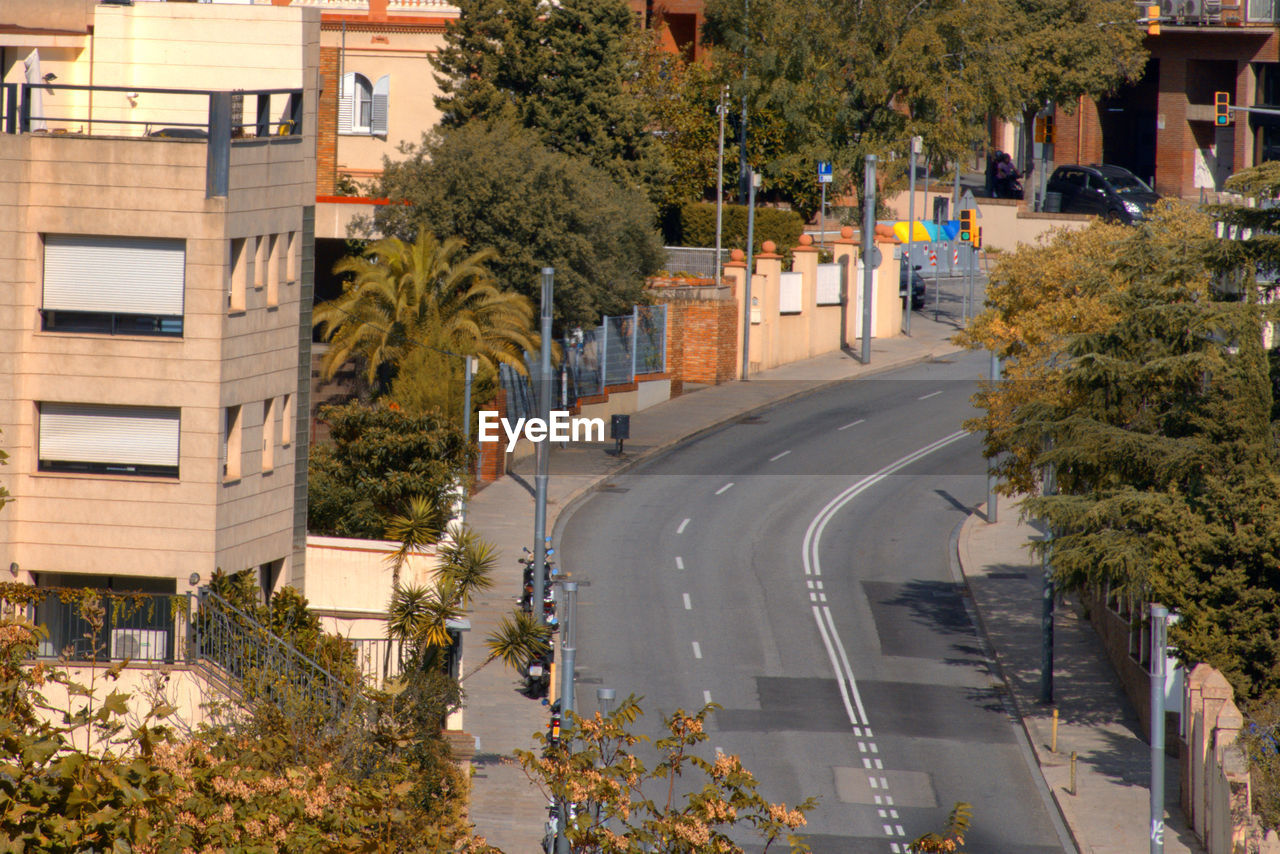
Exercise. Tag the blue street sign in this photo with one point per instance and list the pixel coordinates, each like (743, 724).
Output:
(824, 173)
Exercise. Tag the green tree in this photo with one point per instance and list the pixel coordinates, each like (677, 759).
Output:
(403, 297)
(563, 71)
(497, 185)
(378, 459)
(626, 804)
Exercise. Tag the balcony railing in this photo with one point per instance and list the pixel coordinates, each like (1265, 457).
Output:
(220, 118)
(1214, 13)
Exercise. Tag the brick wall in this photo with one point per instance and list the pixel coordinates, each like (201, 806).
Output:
(1079, 135)
(701, 346)
(493, 456)
(327, 123)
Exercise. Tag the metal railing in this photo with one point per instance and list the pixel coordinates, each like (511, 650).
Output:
(694, 260)
(141, 627)
(379, 659)
(617, 352)
(259, 665)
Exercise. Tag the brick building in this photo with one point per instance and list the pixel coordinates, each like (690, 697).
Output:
(1162, 126)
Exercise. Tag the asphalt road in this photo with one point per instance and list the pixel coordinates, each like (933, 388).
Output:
(793, 568)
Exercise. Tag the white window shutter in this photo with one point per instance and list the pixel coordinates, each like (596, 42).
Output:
(346, 102)
(112, 435)
(126, 275)
(381, 95)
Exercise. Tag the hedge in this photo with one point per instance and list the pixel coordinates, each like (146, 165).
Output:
(697, 227)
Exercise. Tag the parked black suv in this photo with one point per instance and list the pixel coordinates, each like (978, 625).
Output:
(1112, 192)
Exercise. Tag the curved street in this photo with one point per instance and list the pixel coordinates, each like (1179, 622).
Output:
(793, 567)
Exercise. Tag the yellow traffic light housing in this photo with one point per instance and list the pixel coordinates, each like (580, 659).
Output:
(1222, 108)
(1153, 20)
(968, 226)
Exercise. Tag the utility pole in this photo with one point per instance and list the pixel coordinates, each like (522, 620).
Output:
(542, 453)
(1159, 657)
(468, 372)
(568, 650)
(917, 144)
(744, 171)
(746, 292)
(722, 108)
(1046, 599)
(868, 247)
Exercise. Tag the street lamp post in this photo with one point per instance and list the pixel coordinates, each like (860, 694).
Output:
(542, 453)
(868, 247)
(751, 237)
(722, 108)
(1159, 657)
(568, 651)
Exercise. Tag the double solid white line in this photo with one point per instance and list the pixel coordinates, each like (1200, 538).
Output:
(813, 567)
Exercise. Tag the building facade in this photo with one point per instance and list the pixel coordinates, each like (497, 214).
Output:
(157, 231)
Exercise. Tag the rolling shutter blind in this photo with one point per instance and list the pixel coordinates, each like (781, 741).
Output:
(124, 275)
(126, 435)
(346, 101)
(381, 95)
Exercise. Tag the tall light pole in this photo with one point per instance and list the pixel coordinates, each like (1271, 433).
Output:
(568, 651)
(542, 453)
(1159, 656)
(868, 248)
(746, 292)
(917, 145)
(744, 171)
(721, 108)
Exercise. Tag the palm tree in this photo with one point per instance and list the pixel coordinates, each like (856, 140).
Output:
(468, 562)
(518, 640)
(405, 296)
(417, 529)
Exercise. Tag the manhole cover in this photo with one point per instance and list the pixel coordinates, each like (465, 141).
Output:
(751, 419)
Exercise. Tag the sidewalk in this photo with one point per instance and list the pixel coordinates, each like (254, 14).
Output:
(1109, 814)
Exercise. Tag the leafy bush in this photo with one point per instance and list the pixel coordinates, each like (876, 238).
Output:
(380, 457)
(697, 227)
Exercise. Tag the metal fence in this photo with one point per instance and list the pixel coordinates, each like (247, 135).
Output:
(150, 627)
(622, 348)
(944, 257)
(378, 659)
(694, 260)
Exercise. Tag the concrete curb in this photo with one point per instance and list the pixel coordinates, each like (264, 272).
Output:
(1027, 743)
(578, 495)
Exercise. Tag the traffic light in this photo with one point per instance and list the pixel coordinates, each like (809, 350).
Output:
(1221, 108)
(968, 227)
(1048, 129)
(1153, 20)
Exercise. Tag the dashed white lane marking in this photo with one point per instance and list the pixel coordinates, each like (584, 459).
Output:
(683, 525)
(706, 697)
(874, 749)
(929, 395)
(697, 650)
(822, 597)
(722, 490)
(679, 562)
(813, 597)
(777, 457)
(851, 424)
(688, 605)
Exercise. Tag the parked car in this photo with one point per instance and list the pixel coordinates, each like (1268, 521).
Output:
(917, 285)
(1111, 192)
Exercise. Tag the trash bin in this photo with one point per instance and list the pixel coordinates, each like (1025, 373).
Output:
(1052, 202)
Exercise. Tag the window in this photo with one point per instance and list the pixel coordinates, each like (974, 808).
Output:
(241, 251)
(113, 285)
(286, 420)
(291, 257)
(362, 106)
(231, 444)
(97, 439)
(268, 434)
(275, 261)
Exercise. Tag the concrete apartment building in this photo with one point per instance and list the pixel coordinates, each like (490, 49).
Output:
(156, 230)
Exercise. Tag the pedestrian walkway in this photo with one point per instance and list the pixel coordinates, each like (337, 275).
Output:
(1109, 811)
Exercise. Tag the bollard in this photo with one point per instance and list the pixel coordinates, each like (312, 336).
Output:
(1053, 739)
(1073, 773)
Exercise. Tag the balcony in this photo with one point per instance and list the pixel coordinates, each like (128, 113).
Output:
(220, 120)
(1215, 14)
